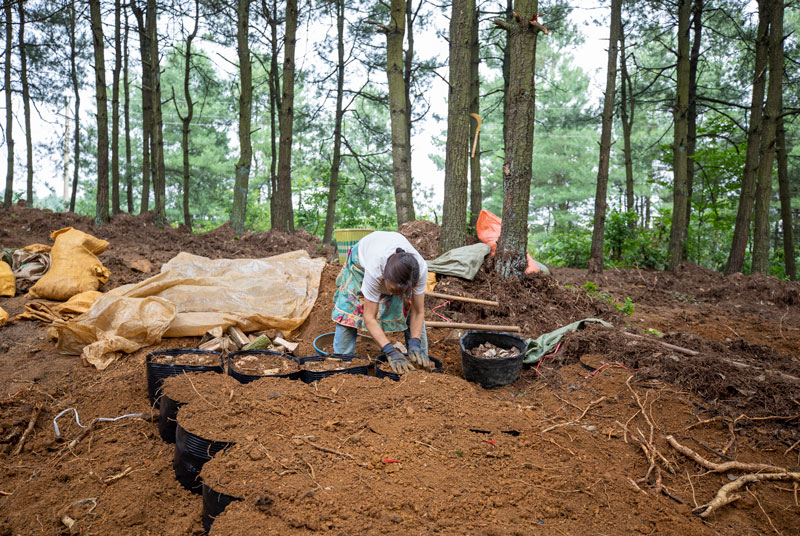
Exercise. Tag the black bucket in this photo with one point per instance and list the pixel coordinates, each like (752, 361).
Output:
(214, 503)
(437, 367)
(491, 372)
(191, 453)
(243, 377)
(158, 372)
(168, 418)
(310, 376)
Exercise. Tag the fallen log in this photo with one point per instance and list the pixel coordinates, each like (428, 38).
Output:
(462, 299)
(479, 327)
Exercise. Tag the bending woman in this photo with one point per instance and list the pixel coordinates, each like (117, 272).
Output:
(381, 289)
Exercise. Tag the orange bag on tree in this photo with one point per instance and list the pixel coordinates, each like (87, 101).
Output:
(488, 229)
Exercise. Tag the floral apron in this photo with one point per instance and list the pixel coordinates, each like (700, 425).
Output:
(348, 302)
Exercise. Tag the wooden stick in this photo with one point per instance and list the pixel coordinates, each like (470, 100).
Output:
(238, 336)
(462, 299)
(34, 416)
(477, 130)
(679, 349)
(479, 327)
(722, 467)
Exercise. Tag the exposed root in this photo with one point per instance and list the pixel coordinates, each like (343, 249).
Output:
(727, 493)
(722, 467)
(34, 417)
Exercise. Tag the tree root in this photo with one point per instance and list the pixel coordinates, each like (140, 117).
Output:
(34, 417)
(722, 467)
(727, 495)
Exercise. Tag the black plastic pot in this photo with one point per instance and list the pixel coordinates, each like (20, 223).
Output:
(491, 372)
(214, 503)
(437, 367)
(158, 372)
(309, 376)
(191, 453)
(243, 377)
(168, 418)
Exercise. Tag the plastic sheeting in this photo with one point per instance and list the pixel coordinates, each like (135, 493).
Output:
(192, 295)
(461, 262)
(48, 312)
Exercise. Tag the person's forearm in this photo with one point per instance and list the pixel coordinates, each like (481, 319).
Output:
(376, 332)
(415, 322)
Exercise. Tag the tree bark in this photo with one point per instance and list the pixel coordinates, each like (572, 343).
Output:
(283, 218)
(186, 120)
(9, 193)
(691, 135)
(147, 104)
(115, 110)
(741, 230)
(475, 188)
(101, 210)
(401, 160)
(408, 73)
(677, 235)
(26, 103)
(156, 137)
(245, 110)
(598, 232)
(786, 202)
(333, 188)
(454, 210)
(512, 245)
(506, 74)
(73, 71)
(274, 102)
(127, 115)
(627, 102)
(772, 111)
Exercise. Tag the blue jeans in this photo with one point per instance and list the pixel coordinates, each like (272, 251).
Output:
(344, 339)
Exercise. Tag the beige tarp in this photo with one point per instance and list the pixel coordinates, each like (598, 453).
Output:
(191, 295)
(47, 312)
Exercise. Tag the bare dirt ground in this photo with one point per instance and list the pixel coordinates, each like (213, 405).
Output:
(591, 455)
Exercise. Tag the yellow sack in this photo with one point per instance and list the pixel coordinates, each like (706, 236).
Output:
(7, 280)
(3, 317)
(431, 284)
(74, 266)
(47, 312)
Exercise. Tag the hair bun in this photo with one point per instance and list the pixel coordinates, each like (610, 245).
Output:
(399, 250)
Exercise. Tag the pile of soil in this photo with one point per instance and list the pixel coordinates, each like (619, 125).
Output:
(264, 364)
(488, 350)
(183, 387)
(200, 359)
(424, 236)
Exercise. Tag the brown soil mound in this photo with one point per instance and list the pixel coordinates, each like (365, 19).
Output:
(216, 387)
(331, 363)
(424, 236)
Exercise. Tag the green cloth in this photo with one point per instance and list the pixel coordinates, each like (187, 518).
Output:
(537, 348)
(461, 262)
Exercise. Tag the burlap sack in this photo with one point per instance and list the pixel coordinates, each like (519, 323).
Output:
(7, 280)
(74, 267)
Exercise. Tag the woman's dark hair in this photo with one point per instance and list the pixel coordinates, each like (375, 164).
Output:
(402, 269)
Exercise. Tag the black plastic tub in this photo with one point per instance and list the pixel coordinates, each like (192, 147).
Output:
(191, 453)
(214, 503)
(168, 418)
(309, 376)
(437, 367)
(491, 372)
(244, 377)
(158, 372)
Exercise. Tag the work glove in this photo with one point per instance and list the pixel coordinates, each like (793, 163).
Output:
(397, 361)
(417, 354)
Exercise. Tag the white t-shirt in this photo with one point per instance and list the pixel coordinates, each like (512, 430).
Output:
(373, 251)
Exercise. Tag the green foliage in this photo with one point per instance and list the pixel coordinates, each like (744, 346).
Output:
(626, 307)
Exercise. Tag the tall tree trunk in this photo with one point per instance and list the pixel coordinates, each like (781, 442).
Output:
(274, 102)
(26, 102)
(333, 189)
(786, 202)
(772, 111)
(245, 106)
(127, 114)
(741, 230)
(65, 156)
(677, 235)
(401, 149)
(283, 219)
(598, 233)
(512, 245)
(156, 137)
(73, 72)
(101, 210)
(454, 212)
(408, 71)
(475, 188)
(186, 120)
(506, 74)
(9, 193)
(626, 104)
(691, 135)
(147, 104)
(115, 110)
